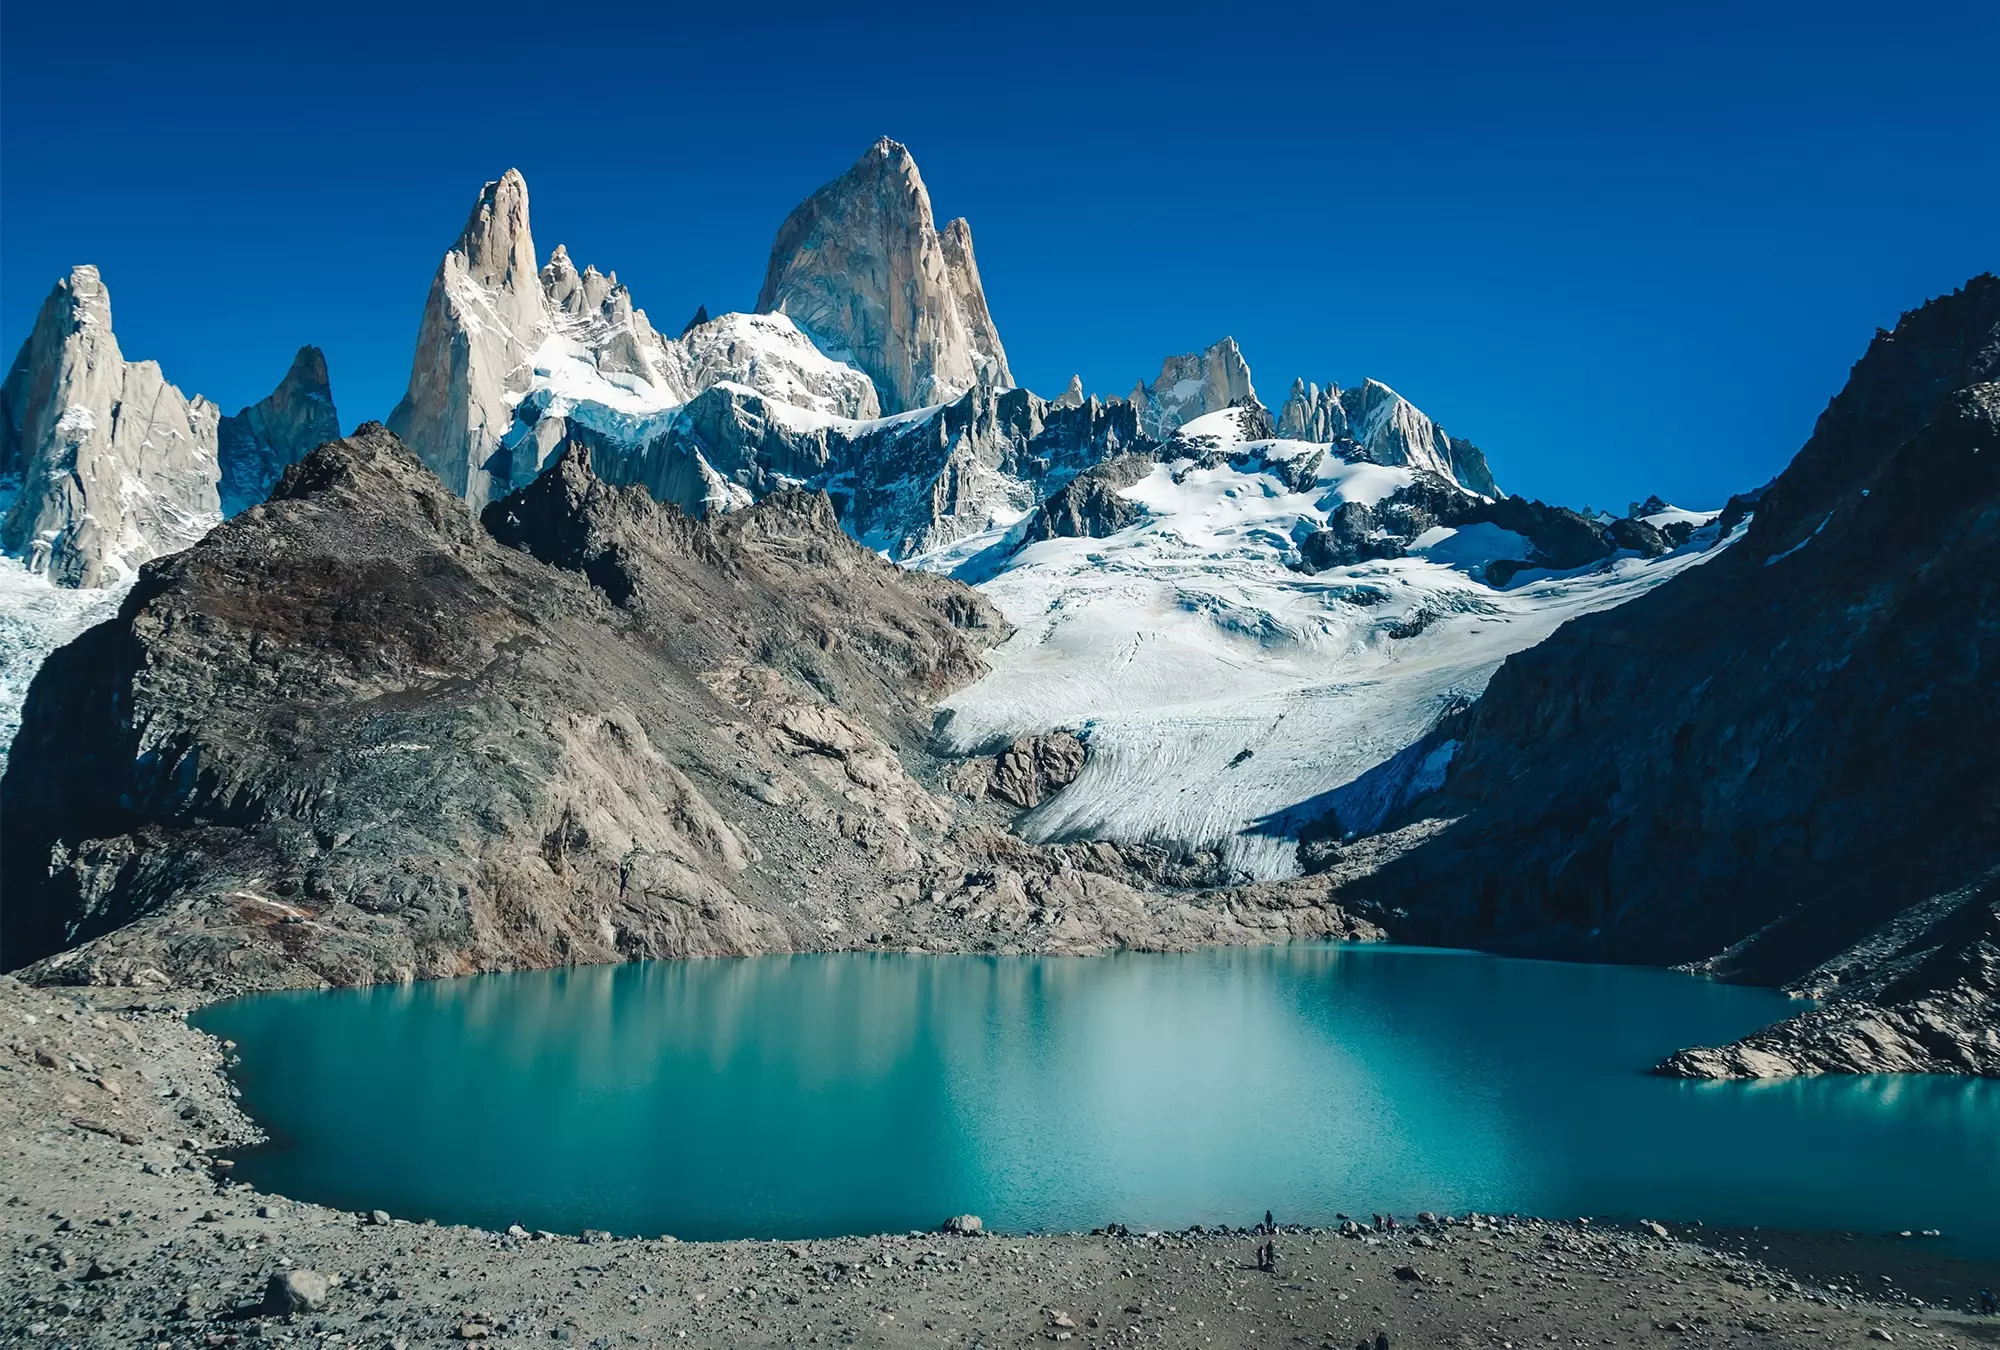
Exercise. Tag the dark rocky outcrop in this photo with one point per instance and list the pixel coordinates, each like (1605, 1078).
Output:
(1092, 505)
(1559, 537)
(1638, 537)
(1035, 768)
(1350, 537)
(1782, 765)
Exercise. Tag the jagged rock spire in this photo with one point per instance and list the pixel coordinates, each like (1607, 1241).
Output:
(861, 267)
(1189, 386)
(484, 318)
(116, 465)
(258, 444)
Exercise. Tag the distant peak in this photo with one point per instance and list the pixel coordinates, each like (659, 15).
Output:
(700, 318)
(308, 367)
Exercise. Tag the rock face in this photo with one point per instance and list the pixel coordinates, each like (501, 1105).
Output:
(513, 362)
(481, 325)
(861, 267)
(1192, 385)
(352, 735)
(263, 440)
(1034, 768)
(1311, 413)
(114, 465)
(906, 485)
(1092, 505)
(1781, 765)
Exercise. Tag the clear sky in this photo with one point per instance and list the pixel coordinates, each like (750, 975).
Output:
(1623, 251)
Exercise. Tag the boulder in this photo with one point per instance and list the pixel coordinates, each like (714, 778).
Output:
(295, 1291)
(1035, 768)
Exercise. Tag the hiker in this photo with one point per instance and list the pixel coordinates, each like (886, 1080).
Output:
(1270, 1225)
(1988, 1304)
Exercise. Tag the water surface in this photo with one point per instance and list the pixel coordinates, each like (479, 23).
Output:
(818, 1095)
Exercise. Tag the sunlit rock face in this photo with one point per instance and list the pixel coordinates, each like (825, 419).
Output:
(862, 267)
(109, 464)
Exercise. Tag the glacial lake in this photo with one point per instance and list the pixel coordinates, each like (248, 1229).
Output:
(799, 1096)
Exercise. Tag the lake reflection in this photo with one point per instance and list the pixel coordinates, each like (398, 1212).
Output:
(813, 1095)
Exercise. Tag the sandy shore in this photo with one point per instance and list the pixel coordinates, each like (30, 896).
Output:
(121, 1229)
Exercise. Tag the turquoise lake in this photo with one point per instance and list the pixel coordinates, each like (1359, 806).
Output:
(818, 1095)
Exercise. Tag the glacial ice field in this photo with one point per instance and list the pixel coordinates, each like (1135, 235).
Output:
(1219, 691)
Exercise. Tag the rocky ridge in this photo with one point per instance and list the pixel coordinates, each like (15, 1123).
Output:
(1780, 767)
(352, 735)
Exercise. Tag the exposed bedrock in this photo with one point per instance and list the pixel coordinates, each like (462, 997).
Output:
(353, 735)
(1781, 762)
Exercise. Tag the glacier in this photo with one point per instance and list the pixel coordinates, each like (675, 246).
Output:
(1220, 691)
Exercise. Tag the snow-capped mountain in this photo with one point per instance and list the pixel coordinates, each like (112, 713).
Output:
(1272, 603)
(511, 357)
(1192, 576)
(106, 465)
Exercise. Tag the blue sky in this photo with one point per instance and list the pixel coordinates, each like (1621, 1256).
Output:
(1624, 252)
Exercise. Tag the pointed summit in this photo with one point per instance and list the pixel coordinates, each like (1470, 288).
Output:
(1194, 384)
(484, 318)
(116, 465)
(700, 318)
(263, 440)
(861, 267)
(1071, 397)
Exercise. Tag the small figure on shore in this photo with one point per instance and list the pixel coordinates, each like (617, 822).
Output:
(1988, 1304)
(1381, 1340)
(1267, 1257)
(1375, 1222)
(1390, 1219)
(1270, 1225)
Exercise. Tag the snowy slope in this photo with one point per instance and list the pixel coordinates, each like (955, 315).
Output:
(36, 617)
(1220, 691)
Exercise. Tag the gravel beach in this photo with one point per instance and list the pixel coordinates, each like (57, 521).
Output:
(122, 1228)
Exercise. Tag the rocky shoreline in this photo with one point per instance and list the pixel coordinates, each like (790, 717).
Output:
(123, 1228)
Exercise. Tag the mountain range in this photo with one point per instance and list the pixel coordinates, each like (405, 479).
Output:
(806, 628)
